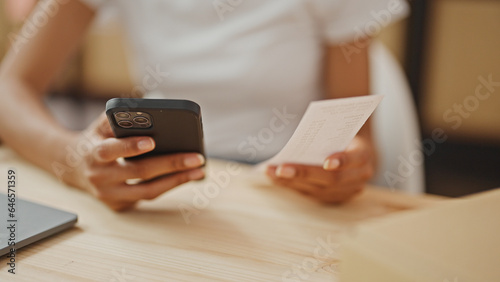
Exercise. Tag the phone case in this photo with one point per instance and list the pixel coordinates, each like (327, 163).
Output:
(176, 125)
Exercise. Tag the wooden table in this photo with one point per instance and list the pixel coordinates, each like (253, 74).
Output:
(241, 229)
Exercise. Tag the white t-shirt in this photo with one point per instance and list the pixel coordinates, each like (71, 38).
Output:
(252, 65)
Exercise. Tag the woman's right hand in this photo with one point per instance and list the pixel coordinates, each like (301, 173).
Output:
(103, 172)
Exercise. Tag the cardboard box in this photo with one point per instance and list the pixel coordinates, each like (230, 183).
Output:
(457, 241)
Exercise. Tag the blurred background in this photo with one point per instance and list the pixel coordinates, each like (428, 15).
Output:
(448, 48)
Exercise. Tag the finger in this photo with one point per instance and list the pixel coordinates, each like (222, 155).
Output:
(156, 166)
(122, 206)
(271, 171)
(303, 187)
(319, 176)
(111, 149)
(147, 169)
(356, 154)
(327, 194)
(335, 197)
(103, 127)
(305, 173)
(148, 190)
(322, 194)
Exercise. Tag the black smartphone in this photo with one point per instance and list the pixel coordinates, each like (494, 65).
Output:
(175, 125)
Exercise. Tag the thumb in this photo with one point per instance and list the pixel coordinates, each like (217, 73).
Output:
(356, 155)
(102, 127)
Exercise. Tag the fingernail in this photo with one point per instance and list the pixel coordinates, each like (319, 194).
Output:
(285, 172)
(331, 164)
(146, 144)
(194, 161)
(270, 170)
(196, 174)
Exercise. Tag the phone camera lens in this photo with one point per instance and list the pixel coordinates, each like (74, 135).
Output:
(123, 115)
(141, 120)
(125, 124)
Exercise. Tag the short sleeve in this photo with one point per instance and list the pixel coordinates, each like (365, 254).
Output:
(345, 20)
(94, 4)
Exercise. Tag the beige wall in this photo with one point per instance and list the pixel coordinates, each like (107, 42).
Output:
(4, 31)
(464, 45)
(105, 69)
(394, 38)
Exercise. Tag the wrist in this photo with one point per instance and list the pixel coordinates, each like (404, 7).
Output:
(366, 135)
(65, 156)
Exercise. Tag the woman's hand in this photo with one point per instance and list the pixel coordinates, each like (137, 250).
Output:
(103, 172)
(342, 176)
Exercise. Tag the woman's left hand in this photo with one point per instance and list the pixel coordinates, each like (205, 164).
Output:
(342, 176)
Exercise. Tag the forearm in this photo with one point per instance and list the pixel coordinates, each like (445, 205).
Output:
(349, 77)
(26, 73)
(27, 126)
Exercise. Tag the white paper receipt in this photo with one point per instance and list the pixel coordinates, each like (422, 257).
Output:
(327, 127)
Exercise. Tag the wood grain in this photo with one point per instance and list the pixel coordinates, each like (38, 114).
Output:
(249, 231)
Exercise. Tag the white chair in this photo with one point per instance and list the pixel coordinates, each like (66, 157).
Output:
(396, 125)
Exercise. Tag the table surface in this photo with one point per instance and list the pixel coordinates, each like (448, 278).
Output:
(233, 226)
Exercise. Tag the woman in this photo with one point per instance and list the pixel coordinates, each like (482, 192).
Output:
(244, 62)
